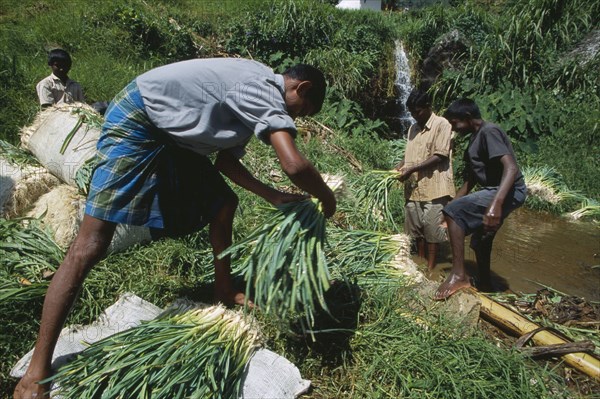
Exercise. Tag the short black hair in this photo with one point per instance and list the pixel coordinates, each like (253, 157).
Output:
(418, 98)
(58, 55)
(316, 94)
(463, 109)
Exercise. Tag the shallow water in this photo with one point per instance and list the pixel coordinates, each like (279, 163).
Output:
(533, 248)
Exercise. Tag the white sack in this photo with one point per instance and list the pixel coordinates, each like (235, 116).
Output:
(62, 210)
(45, 137)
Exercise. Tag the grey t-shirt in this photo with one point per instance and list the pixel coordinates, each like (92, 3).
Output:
(482, 157)
(207, 105)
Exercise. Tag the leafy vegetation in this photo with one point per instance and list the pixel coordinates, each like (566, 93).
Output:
(186, 338)
(283, 261)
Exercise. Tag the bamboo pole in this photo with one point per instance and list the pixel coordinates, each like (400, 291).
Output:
(519, 325)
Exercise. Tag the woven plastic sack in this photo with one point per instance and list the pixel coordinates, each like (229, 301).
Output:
(47, 138)
(61, 211)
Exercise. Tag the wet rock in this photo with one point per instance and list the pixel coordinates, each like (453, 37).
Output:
(463, 306)
(587, 49)
(445, 53)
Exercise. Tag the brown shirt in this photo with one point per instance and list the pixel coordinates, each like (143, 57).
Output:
(424, 142)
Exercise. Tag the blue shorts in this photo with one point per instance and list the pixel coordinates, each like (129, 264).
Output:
(142, 178)
(468, 211)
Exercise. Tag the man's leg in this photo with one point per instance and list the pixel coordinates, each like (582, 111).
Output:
(434, 233)
(431, 255)
(413, 225)
(87, 249)
(483, 254)
(221, 236)
(458, 277)
(421, 247)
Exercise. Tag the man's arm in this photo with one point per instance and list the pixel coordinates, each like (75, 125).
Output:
(78, 93)
(230, 166)
(465, 188)
(301, 171)
(493, 215)
(428, 163)
(399, 166)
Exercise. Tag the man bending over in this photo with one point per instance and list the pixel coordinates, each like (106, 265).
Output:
(153, 169)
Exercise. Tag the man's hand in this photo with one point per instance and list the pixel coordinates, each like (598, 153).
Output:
(405, 173)
(492, 218)
(329, 206)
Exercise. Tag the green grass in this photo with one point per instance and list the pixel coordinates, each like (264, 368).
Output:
(391, 355)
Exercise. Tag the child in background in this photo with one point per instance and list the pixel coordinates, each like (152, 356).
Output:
(58, 88)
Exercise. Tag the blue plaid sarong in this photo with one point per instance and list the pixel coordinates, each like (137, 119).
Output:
(142, 178)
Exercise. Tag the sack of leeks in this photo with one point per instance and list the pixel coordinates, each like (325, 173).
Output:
(284, 263)
(184, 353)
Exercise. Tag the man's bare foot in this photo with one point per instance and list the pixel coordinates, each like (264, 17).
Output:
(233, 298)
(452, 284)
(28, 388)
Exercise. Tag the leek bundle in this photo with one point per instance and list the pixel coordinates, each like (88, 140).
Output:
(589, 208)
(83, 176)
(373, 195)
(16, 155)
(184, 353)
(544, 183)
(284, 261)
(369, 256)
(29, 255)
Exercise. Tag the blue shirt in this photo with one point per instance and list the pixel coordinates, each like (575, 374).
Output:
(208, 105)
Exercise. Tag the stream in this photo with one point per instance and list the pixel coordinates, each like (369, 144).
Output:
(534, 249)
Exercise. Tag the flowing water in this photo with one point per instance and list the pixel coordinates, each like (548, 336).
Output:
(534, 249)
(402, 119)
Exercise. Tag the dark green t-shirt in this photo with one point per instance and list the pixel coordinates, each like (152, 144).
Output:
(482, 157)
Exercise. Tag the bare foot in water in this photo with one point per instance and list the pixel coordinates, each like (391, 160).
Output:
(452, 284)
(234, 298)
(28, 388)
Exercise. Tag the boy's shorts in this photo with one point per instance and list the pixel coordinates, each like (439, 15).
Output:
(423, 219)
(143, 179)
(468, 211)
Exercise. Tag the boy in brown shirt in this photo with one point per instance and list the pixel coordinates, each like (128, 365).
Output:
(427, 173)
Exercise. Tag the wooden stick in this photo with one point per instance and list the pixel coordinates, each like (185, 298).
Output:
(558, 349)
(519, 325)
